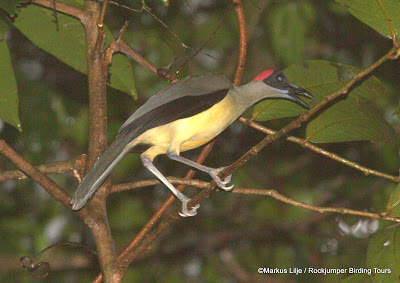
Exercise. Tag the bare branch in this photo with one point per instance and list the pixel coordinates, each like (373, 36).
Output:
(72, 165)
(152, 182)
(103, 13)
(35, 174)
(242, 42)
(274, 194)
(308, 145)
(64, 8)
(121, 46)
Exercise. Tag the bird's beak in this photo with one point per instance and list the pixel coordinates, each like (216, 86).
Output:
(293, 95)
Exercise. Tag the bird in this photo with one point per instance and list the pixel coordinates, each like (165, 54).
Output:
(185, 115)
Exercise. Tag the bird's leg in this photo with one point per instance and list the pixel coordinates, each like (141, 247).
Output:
(213, 172)
(184, 199)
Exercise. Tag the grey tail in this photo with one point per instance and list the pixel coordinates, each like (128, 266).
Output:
(99, 172)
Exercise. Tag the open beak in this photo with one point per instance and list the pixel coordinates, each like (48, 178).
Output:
(293, 95)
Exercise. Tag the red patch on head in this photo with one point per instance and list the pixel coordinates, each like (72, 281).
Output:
(265, 74)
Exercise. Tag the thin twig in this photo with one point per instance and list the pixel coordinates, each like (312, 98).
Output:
(242, 42)
(274, 194)
(306, 144)
(129, 8)
(389, 23)
(124, 48)
(35, 174)
(201, 47)
(103, 13)
(147, 9)
(53, 168)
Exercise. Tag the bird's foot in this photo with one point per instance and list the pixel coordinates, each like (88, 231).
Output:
(185, 212)
(221, 183)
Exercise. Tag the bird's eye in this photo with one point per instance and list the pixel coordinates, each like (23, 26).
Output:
(279, 78)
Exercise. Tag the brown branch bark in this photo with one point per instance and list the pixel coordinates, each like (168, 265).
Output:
(73, 165)
(242, 42)
(152, 182)
(121, 46)
(97, 85)
(64, 8)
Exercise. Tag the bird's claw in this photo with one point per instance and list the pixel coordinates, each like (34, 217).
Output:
(221, 183)
(185, 212)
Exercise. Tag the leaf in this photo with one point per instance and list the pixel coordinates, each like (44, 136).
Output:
(4, 26)
(8, 84)
(384, 253)
(393, 205)
(122, 74)
(381, 15)
(290, 24)
(352, 119)
(68, 43)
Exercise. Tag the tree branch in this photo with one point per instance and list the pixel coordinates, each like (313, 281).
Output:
(242, 42)
(308, 145)
(72, 165)
(121, 46)
(35, 174)
(97, 85)
(64, 8)
(274, 194)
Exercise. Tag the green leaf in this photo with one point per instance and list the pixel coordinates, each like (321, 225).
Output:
(10, 6)
(393, 206)
(66, 41)
(290, 24)
(8, 84)
(352, 119)
(384, 253)
(381, 15)
(122, 76)
(4, 26)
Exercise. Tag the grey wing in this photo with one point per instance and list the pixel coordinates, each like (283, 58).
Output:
(190, 86)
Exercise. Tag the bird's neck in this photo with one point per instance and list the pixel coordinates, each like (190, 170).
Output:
(248, 94)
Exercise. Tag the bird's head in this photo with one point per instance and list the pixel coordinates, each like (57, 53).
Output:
(278, 86)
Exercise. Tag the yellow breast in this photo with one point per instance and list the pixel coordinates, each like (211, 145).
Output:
(188, 133)
(197, 130)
